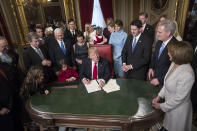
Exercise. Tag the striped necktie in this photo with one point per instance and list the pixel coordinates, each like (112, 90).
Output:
(161, 49)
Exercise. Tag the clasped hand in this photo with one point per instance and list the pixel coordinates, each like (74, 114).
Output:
(126, 68)
(155, 102)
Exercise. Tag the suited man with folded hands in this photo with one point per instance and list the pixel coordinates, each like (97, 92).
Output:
(95, 67)
(136, 53)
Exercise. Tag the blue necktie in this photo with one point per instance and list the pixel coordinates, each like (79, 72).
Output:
(134, 44)
(6, 58)
(161, 49)
(62, 47)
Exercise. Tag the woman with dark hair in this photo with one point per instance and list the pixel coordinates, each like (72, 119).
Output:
(117, 39)
(80, 49)
(176, 89)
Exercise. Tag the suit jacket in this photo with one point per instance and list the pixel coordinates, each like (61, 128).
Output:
(6, 94)
(70, 37)
(31, 58)
(103, 69)
(56, 54)
(149, 31)
(14, 74)
(176, 91)
(161, 65)
(194, 88)
(139, 59)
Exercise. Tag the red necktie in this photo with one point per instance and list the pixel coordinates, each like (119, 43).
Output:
(95, 71)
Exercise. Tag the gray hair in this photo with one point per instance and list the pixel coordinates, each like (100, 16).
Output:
(32, 35)
(169, 25)
(57, 30)
(2, 38)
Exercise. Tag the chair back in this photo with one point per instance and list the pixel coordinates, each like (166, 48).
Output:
(105, 51)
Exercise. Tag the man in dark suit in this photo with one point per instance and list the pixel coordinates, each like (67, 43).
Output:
(136, 53)
(146, 28)
(160, 61)
(35, 56)
(71, 32)
(6, 104)
(9, 62)
(8, 65)
(194, 88)
(95, 67)
(60, 48)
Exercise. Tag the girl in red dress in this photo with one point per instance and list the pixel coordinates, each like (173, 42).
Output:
(67, 74)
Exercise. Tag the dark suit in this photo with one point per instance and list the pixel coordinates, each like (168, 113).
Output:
(149, 31)
(139, 59)
(103, 69)
(56, 54)
(161, 65)
(6, 101)
(194, 88)
(68, 36)
(13, 73)
(31, 58)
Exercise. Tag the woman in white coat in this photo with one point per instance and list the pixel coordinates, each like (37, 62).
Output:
(176, 90)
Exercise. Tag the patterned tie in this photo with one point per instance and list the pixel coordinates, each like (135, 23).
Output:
(134, 44)
(6, 58)
(62, 47)
(40, 53)
(95, 71)
(161, 49)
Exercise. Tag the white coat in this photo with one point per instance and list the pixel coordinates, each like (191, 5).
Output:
(176, 92)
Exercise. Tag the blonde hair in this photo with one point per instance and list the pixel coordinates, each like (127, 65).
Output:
(92, 49)
(87, 32)
(48, 31)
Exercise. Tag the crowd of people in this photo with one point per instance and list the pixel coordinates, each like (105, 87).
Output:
(63, 53)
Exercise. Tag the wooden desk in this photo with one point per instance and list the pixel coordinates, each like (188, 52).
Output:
(127, 109)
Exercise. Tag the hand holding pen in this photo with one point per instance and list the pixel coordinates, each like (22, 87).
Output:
(100, 83)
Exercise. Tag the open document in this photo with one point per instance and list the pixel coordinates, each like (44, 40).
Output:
(93, 86)
(111, 86)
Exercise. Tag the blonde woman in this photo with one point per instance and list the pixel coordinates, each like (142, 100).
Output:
(89, 33)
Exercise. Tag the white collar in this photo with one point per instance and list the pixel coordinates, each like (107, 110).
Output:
(34, 47)
(166, 42)
(137, 37)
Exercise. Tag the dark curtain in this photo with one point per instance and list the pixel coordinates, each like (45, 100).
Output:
(86, 9)
(106, 7)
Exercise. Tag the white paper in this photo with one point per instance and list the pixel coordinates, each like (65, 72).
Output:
(111, 86)
(92, 87)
